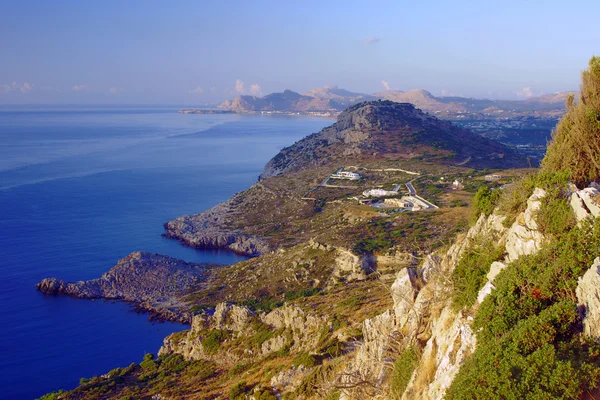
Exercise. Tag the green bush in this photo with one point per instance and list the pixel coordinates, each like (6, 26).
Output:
(469, 276)
(308, 360)
(293, 295)
(149, 365)
(575, 145)
(238, 391)
(53, 396)
(212, 342)
(404, 366)
(513, 199)
(485, 201)
(555, 215)
(530, 342)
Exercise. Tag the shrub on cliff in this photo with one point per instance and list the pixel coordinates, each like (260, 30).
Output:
(530, 342)
(575, 144)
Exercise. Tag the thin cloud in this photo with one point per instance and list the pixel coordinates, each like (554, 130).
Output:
(525, 92)
(255, 89)
(385, 84)
(239, 86)
(371, 40)
(25, 87)
(213, 90)
(115, 90)
(79, 88)
(197, 90)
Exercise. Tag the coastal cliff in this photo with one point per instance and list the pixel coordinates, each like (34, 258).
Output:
(151, 282)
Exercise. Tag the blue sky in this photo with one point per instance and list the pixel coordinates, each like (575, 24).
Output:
(193, 52)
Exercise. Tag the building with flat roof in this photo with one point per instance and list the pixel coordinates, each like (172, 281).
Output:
(353, 176)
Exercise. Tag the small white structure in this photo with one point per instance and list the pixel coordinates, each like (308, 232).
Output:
(492, 177)
(457, 184)
(353, 176)
(379, 193)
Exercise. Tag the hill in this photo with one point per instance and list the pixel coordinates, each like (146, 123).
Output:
(389, 130)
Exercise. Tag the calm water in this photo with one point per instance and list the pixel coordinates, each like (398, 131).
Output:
(81, 188)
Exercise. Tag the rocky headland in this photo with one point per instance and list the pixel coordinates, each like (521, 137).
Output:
(152, 282)
(271, 213)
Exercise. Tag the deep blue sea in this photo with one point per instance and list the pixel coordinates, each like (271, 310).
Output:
(81, 188)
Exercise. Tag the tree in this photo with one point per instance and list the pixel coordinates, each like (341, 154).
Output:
(575, 144)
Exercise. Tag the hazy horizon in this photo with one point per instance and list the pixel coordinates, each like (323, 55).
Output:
(144, 53)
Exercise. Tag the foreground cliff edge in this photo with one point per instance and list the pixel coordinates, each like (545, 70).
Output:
(355, 303)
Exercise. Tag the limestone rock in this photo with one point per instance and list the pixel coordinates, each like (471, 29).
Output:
(523, 237)
(304, 326)
(578, 206)
(230, 317)
(588, 296)
(352, 267)
(454, 341)
(404, 292)
(370, 359)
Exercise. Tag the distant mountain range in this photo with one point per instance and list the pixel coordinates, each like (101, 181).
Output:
(334, 99)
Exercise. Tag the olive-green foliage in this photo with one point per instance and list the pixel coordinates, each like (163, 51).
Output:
(404, 366)
(484, 201)
(513, 199)
(52, 396)
(575, 144)
(264, 395)
(238, 391)
(529, 341)
(212, 341)
(555, 215)
(470, 274)
(265, 304)
(293, 295)
(308, 360)
(148, 364)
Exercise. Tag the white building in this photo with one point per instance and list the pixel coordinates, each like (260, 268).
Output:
(379, 193)
(353, 176)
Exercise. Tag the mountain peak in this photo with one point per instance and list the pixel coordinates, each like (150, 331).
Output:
(385, 130)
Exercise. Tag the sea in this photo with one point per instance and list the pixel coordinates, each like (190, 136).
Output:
(82, 187)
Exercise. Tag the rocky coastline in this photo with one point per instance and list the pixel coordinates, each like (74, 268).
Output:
(153, 283)
(212, 230)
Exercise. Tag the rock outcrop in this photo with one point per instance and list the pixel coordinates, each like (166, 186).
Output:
(588, 296)
(152, 282)
(423, 314)
(296, 329)
(212, 229)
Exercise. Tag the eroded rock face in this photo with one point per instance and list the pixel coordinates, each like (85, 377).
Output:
(523, 237)
(452, 341)
(423, 310)
(303, 326)
(209, 230)
(352, 267)
(588, 296)
(154, 283)
(586, 203)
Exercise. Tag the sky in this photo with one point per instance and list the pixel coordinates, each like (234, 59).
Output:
(197, 52)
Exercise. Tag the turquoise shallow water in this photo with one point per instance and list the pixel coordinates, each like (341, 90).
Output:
(81, 188)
